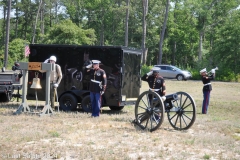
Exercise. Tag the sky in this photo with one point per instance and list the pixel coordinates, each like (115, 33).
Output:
(61, 10)
(1, 12)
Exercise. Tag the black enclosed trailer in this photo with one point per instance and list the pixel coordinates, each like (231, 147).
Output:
(121, 64)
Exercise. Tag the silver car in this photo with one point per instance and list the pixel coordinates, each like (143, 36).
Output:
(169, 71)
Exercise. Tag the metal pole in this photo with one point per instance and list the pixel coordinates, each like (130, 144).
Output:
(24, 88)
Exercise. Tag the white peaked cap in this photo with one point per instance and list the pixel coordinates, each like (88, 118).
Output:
(203, 70)
(53, 58)
(155, 69)
(96, 61)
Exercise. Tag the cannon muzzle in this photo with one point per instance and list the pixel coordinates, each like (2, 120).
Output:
(171, 97)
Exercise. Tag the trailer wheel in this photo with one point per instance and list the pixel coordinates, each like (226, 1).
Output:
(68, 102)
(4, 97)
(86, 104)
(116, 108)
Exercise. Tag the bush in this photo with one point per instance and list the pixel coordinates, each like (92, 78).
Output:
(238, 77)
(145, 69)
(195, 74)
(221, 75)
(226, 76)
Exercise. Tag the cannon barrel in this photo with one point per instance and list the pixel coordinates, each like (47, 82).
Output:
(171, 97)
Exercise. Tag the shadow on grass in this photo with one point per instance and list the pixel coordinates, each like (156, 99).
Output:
(9, 108)
(137, 127)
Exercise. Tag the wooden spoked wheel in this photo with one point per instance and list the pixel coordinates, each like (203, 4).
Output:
(149, 111)
(183, 113)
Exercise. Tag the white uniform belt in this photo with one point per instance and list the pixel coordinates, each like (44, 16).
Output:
(207, 84)
(155, 89)
(95, 81)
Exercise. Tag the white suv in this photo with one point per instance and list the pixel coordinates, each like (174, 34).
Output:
(169, 71)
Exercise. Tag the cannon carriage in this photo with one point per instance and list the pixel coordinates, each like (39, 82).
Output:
(150, 110)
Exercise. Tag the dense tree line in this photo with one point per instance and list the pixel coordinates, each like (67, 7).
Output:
(191, 34)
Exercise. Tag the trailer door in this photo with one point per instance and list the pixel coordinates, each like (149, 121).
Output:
(131, 80)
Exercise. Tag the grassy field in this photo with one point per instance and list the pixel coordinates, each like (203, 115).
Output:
(74, 135)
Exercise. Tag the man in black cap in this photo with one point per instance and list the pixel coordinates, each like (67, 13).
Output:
(98, 85)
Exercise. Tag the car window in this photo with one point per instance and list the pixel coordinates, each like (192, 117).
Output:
(163, 67)
(176, 68)
(170, 68)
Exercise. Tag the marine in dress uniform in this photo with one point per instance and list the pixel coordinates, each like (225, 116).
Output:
(155, 81)
(207, 87)
(97, 87)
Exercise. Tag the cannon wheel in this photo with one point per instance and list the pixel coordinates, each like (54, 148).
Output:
(183, 114)
(149, 112)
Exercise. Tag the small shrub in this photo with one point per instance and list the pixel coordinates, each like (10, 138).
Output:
(195, 74)
(206, 156)
(190, 141)
(238, 78)
(145, 69)
(236, 137)
(54, 133)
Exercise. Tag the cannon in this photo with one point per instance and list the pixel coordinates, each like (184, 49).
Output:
(150, 109)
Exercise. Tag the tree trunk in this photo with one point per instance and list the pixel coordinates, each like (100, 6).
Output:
(50, 17)
(200, 46)
(56, 10)
(16, 25)
(175, 43)
(102, 27)
(4, 24)
(126, 24)
(35, 25)
(102, 35)
(7, 35)
(162, 33)
(26, 22)
(145, 51)
(42, 19)
(144, 25)
(174, 53)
